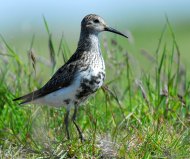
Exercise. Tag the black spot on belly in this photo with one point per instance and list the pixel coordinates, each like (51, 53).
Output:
(89, 86)
(95, 80)
(67, 101)
(85, 90)
(85, 80)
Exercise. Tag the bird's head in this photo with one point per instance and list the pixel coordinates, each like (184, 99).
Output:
(95, 24)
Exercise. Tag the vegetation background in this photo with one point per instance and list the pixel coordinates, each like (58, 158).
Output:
(143, 109)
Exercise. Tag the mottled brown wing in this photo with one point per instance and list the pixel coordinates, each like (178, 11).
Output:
(66, 74)
(62, 78)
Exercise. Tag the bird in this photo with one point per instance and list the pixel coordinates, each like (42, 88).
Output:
(81, 76)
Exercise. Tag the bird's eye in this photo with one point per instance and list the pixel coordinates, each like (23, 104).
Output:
(96, 21)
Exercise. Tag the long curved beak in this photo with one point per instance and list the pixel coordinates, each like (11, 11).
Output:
(114, 31)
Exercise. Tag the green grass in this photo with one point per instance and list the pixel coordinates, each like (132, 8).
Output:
(138, 114)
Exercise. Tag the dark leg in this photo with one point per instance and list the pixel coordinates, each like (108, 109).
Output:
(66, 120)
(74, 121)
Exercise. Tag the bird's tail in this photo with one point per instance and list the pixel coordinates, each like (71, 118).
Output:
(28, 97)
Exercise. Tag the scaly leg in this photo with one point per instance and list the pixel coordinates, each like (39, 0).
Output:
(74, 121)
(66, 121)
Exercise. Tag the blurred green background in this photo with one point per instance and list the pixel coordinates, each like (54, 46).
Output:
(143, 21)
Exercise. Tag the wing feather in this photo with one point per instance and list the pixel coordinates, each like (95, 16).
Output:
(62, 78)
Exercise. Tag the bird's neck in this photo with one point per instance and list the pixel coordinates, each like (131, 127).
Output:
(89, 42)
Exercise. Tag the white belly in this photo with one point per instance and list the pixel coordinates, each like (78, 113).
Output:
(67, 95)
